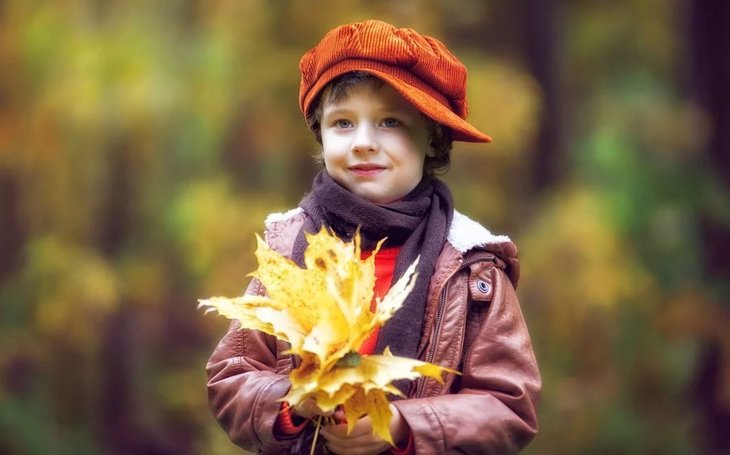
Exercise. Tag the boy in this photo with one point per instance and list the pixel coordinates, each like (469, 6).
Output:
(385, 104)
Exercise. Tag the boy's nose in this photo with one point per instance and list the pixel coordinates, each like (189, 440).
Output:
(364, 140)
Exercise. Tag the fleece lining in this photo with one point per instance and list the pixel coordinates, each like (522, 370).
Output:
(464, 233)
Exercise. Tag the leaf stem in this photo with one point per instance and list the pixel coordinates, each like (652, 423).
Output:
(316, 433)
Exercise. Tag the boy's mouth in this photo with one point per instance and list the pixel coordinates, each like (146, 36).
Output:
(366, 169)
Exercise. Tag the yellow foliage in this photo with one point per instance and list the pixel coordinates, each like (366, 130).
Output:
(323, 311)
(76, 289)
(586, 269)
(213, 226)
(508, 107)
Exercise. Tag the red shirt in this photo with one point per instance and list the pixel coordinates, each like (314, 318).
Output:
(384, 267)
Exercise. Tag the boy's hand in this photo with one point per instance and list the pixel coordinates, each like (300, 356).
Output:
(361, 441)
(308, 409)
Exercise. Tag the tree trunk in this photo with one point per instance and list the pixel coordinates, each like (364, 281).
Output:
(542, 44)
(12, 235)
(710, 66)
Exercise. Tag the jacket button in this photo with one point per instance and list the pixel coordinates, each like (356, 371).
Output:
(483, 286)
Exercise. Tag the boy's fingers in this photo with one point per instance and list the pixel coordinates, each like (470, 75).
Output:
(359, 441)
(335, 432)
(365, 445)
(350, 450)
(308, 408)
(304, 409)
(362, 427)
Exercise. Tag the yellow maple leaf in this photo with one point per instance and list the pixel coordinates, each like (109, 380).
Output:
(323, 312)
(374, 404)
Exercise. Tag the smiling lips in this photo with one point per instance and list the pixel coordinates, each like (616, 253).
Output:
(366, 170)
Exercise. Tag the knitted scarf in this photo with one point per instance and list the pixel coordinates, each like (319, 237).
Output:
(419, 223)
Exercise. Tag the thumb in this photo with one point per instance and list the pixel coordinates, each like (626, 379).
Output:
(308, 408)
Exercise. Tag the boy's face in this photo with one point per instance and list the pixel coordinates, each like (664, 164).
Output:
(374, 143)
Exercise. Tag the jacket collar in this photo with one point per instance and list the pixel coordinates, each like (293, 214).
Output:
(281, 216)
(464, 234)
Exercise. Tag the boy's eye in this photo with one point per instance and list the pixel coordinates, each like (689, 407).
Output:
(391, 123)
(343, 123)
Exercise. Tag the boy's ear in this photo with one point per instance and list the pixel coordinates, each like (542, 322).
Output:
(431, 151)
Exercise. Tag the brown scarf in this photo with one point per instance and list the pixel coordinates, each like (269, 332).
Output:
(419, 223)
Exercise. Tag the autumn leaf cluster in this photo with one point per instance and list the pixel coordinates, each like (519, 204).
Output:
(324, 312)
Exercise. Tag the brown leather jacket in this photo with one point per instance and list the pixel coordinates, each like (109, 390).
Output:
(473, 324)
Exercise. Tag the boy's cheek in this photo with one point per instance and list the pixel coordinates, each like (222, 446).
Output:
(331, 142)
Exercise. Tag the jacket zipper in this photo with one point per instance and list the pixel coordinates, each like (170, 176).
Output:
(421, 382)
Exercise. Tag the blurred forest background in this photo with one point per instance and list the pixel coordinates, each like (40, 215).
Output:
(142, 143)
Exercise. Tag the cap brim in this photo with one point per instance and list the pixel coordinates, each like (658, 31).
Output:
(424, 102)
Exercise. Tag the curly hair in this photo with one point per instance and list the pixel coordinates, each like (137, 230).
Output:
(440, 138)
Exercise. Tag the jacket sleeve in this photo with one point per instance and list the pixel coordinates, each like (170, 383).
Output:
(244, 387)
(492, 407)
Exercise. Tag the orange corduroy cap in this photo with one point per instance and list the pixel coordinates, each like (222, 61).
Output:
(419, 67)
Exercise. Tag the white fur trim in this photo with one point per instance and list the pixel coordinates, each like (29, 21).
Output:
(466, 234)
(281, 216)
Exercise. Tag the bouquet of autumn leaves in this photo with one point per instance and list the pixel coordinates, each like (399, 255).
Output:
(323, 312)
